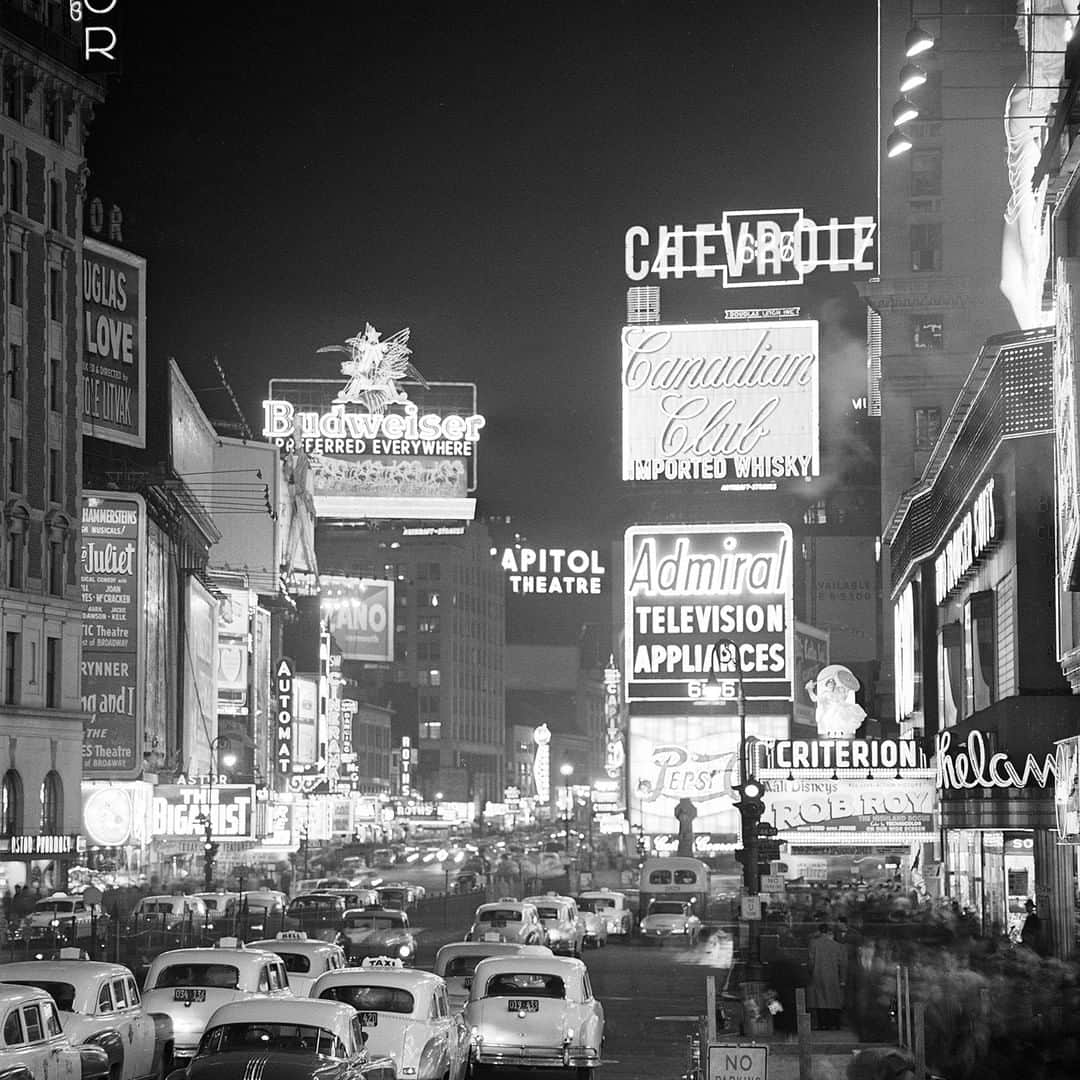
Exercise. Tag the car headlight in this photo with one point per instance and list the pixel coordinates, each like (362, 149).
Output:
(404, 951)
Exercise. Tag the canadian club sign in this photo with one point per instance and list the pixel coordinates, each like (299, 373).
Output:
(284, 677)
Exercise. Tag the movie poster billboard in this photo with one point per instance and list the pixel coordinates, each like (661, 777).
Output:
(359, 613)
(114, 344)
(113, 569)
(735, 403)
(687, 587)
(198, 660)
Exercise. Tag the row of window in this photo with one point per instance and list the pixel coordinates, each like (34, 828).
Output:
(17, 194)
(16, 483)
(16, 290)
(12, 804)
(13, 660)
(16, 373)
(15, 561)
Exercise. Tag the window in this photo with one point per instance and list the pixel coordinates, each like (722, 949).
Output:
(15, 185)
(56, 294)
(56, 567)
(431, 729)
(52, 804)
(980, 667)
(12, 650)
(35, 1031)
(11, 803)
(54, 475)
(52, 1021)
(926, 172)
(14, 464)
(927, 333)
(132, 991)
(15, 372)
(13, 1035)
(15, 278)
(950, 673)
(56, 388)
(119, 995)
(56, 205)
(104, 1001)
(52, 673)
(927, 428)
(925, 248)
(54, 118)
(13, 99)
(15, 560)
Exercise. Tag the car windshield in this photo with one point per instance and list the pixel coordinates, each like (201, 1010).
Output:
(159, 907)
(662, 907)
(60, 907)
(525, 984)
(61, 992)
(595, 905)
(499, 915)
(281, 1038)
(315, 903)
(547, 912)
(390, 999)
(295, 963)
(216, 903)
(372, 922)
(218, 976)
(462, 965)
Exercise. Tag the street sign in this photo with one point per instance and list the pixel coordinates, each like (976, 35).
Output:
(772, 883)
(751, 907)
(738, 1062)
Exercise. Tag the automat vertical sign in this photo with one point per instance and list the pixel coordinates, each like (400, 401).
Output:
(690, 586)
(114, 344)
(113, 558)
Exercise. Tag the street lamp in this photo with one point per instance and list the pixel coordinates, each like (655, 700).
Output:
(567, 770)
(210, 847)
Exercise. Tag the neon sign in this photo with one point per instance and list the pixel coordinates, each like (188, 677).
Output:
(553, 570)
(750, 248)
(977, 530)
(284, 678)
(972, 765)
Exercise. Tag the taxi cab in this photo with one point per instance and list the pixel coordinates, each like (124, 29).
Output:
(187, 985)
(507, 920)
(305, 959)
(564, 928)
(456, 962)
(32, 1039)
(612, 906)
(534, 1012)
(100, 1003)
(405, 1015)
(377, 932)
(288, 1040)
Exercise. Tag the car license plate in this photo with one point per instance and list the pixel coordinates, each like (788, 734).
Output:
(189, 993)
(467, 982)
(523, 1005)
(369, 1019)
(491, 935)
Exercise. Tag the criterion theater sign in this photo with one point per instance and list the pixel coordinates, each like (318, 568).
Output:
(751, 248)
(734, 402)
(688, 586)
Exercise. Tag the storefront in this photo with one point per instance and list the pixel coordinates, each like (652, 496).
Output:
(40, 862)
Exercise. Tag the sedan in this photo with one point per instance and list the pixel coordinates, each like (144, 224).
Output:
(34, 1043)
(405, 1015)
(377, 932)
(456, 963)
(288, 1040)
(534, 1012)
(305, 960)
(670, 918)
(507, 920)
(99, 1005)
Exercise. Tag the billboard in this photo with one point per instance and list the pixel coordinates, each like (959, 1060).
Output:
(114, 344)
(842, 583)
(811, 655)
(181, 809)
(359, 614)
(735, 403)
(688, 587)
(1066, 418)
(113, 581)
(415, 460)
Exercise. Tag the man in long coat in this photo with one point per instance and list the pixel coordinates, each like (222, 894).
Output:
(827, 962)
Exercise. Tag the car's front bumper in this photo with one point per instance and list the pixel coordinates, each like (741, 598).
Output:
(542, 1057)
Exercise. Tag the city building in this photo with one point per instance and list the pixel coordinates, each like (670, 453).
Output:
(46, 106)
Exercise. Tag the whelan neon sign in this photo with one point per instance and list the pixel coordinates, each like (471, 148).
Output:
(972, 765)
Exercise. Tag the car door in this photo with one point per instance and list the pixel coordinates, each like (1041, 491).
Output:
(32, 1037)
(456, 1035)
(135, 1027)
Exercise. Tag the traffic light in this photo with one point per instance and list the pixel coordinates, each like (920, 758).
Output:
(751, 805)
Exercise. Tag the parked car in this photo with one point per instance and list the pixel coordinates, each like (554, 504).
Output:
(319, 914)
(456, 962)
(535, 1012)
(168, 914)
(99, 1004)
(287, 1040)
(507, 920)
(220, 911)
(668, 919)
(187, 985)
(60, 920)
(377, 932)
(356, 897)
(34, 1040)
(613, 906)
(305, 960)
(564, 928)
(405, 1015)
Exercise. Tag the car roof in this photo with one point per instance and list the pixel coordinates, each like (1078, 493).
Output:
(171, 897)
(505, 904)
(14, 994)
(59, 970)
(240, 957)
(319, 894)
(378, 912)
(600, 894)
(294, 945)
(327, 1014)
(552, 965)
(406, 977)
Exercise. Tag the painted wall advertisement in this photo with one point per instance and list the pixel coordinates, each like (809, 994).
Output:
(113, 561)
(359, 613)
(844, 595)
(731, 402)
(688, 586)
(114, 344)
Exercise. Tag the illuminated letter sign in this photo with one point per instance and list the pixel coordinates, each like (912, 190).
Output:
(972, 765)
(904, 623)
(284, 677)
(729, 402)
(750, 248)
(553, 571)
(688, 586)
(1066, 416)
(975, 532)
(542, 763)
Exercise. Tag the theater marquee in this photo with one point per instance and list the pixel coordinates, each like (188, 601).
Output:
(735, 403)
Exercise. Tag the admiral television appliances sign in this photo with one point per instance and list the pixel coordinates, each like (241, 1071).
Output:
(750, 248)
(688, 586)
(731, 402)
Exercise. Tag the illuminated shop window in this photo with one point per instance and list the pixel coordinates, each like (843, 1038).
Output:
(950, 673)
(11, 804)
(52, 804)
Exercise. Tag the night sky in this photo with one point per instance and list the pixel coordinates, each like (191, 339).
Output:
(468, 170)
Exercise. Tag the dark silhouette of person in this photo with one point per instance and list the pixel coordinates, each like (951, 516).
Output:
(685, 812)
(1031, 933)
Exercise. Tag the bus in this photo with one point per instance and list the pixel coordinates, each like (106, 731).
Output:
(674, 877)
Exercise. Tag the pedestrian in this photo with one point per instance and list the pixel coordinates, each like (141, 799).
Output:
(827, 963)
(1031, 934)
(7, 904)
